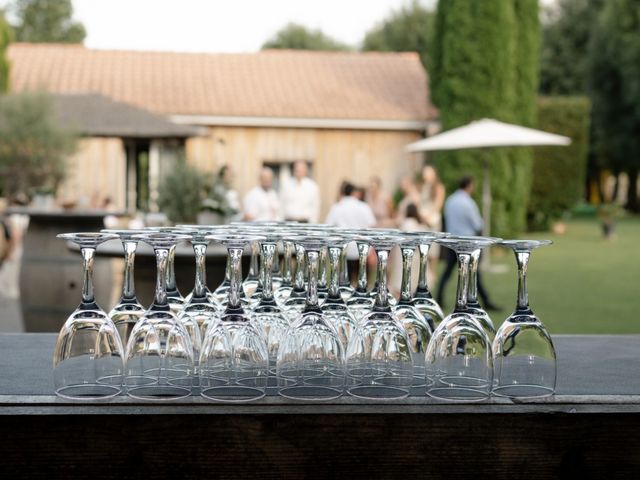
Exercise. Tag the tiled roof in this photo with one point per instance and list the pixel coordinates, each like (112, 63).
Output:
(97, 115)
(276, 83)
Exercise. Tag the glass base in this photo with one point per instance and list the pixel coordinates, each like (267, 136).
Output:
(232, 394)
(159, 393)
(89, 391)
(523, 391)
(458, 394)
(378, 392)
(310, 393)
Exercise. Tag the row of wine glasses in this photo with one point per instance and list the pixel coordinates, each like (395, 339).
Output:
(303, 331)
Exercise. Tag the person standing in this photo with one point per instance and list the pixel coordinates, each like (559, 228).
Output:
(432, 194)
(300, 196)
(462, 217)
(380, 203)
(261, 203)
(349, 211)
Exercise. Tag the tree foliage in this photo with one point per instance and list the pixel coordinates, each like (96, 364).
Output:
(33, 145)
(179, 194)
(615, 89)
(566, 34)
(6, 36)
(298, 37)
(408, 29)
(47, 21)
(484, 65)
(559, 173)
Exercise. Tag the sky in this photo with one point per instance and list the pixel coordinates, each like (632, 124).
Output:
(222, 25)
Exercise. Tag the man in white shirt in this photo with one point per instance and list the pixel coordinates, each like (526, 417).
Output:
(301, 196)
(262, 204)
(350, 212)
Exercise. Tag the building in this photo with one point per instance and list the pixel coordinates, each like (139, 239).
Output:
(348, 114)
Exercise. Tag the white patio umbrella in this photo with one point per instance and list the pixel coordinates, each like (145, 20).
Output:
(487, 133)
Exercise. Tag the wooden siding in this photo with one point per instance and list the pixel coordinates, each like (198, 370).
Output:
(336, 155)
(96, 171)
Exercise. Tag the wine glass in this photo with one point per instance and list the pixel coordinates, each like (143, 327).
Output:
(360, 303)
(458, 361)
(88, 356)
(422, 298)
(472, 299)
(252, 281)
(310, 362)
(128, 310)
(294, 305)
(234, 360)
(159, 361)
(174, 297)
(379, 357)
(524, 355)
(346, 289)
(334, 307)
(413, 321)
(286, 286)
(267, 314)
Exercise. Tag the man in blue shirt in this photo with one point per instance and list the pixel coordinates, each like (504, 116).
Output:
(462, 217)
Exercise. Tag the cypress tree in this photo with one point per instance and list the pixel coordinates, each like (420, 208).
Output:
(485, 66)
(6, 35)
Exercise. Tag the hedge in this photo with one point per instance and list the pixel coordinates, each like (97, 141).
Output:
(559, 172)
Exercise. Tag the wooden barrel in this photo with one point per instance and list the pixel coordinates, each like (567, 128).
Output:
(51, 274)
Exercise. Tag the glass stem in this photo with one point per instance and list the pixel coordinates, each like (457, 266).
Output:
(463, 280)
(286, 263)
(253, 265)
(522, 258)
(407, 260)
(363, 255)
(162, 262)
(382, 300)
(200, 287)
(268, 252)
(334, 272)
(322, 279)
(275, 262)
(423, 250)
(227, 271)
(344, 268)
(128, 288)
(87, 281)
(312, 290)
(235, 267)
(170, 267)
(299, 278)
(474, 262)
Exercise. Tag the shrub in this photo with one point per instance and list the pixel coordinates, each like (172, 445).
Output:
(559, 172)
(180, 193)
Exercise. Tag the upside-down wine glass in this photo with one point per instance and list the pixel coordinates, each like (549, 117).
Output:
(361, 303)
(234, 360)
(252, 281)
(294, 305)
(413, 321)
(88, 356)
(379, 357)
(334, 307)
(311, 363)
(459, 362)
(422, 298)
(174, 297)
(286, 286)
(267, 314)
(524, 355)
(128, 310)
(159, 363)
(472, 297)
(198, 310)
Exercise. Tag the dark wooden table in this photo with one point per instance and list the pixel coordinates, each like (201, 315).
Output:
(590, 429)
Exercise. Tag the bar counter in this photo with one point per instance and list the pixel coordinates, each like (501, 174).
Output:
(589, 429)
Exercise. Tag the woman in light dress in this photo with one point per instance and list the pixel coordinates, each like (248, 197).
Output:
(380, 203)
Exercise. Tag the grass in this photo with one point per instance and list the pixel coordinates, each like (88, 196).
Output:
(580, 284)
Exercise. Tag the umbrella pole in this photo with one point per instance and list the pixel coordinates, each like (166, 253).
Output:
(486, 197)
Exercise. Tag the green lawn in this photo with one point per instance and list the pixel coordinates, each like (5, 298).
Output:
(580, 284)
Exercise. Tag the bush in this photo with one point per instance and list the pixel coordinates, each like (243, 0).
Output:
(180, 193)
(559, 172)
